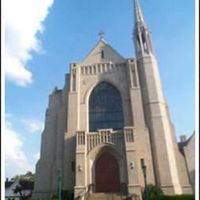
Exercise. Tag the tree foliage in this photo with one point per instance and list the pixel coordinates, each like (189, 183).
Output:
(27, 176)
(25, 185)
(24, 188)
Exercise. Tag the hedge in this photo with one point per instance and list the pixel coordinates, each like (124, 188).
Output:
(178, 197)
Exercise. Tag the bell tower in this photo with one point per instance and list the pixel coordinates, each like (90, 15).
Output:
(170, 174)
(141, 33)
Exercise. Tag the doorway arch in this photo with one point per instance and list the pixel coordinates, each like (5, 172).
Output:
(107, 173)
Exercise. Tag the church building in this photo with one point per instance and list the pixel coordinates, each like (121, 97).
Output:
(108, 124)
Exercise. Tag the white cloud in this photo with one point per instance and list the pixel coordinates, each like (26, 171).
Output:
(33, 126)
(8, 115)
(23, 20)
(16, 161)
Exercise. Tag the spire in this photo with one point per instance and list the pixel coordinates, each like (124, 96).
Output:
(139, 19)
(141, 33)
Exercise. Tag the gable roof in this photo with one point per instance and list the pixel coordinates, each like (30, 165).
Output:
(110, 54)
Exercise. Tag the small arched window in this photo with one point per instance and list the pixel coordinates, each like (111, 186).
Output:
(105, 108)
(102, 54)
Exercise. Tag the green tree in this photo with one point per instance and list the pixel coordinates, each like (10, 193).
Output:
(27, 176)
(24, 188)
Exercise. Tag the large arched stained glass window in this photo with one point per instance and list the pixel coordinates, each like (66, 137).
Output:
(105, 108)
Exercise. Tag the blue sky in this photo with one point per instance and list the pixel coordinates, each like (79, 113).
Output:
(46, 37)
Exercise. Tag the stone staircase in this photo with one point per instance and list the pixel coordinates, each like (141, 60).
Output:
(105, 196)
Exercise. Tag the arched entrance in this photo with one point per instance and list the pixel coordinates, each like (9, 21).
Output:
(107, 174)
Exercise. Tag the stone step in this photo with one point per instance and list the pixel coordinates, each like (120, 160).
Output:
(104, 196)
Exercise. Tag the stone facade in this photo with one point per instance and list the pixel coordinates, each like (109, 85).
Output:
(187, 147)
(147, 133)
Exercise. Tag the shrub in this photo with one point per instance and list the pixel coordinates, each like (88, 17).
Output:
(153, 192)
(178, 197)
(67, 195)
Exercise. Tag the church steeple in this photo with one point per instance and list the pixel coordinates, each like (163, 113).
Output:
(141, 33)
(139, 19)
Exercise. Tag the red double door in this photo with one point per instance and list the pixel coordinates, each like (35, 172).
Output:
(107, 174)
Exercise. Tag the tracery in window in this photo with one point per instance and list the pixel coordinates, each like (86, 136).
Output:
(105, 108)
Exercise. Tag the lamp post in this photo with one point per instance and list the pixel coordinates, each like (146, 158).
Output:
(59, 183)
(144, 171)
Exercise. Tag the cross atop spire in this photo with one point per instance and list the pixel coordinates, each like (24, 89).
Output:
(139, 19)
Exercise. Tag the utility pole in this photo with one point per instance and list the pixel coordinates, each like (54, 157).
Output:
(59, 183)
(144, 171)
